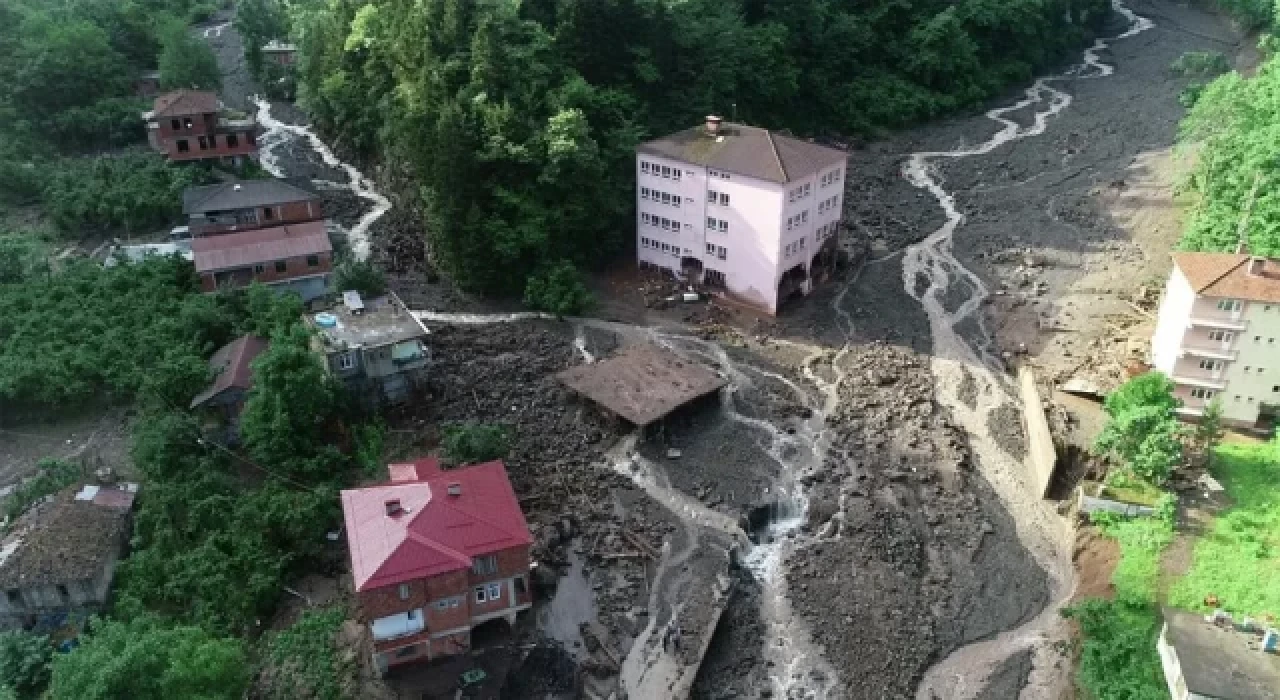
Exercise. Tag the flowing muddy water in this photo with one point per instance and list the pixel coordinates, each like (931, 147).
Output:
(934, 277)
(275, 135)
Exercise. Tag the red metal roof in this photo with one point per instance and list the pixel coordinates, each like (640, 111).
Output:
(231, 250)
(181, 103)
(436, 532)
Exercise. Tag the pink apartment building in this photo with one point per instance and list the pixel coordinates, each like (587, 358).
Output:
(751, 212)
(1217, 334)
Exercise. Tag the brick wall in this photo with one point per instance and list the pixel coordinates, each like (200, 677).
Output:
(381, 602)
(294, 267)
(217, 145)
(286, 213)
(201, 124)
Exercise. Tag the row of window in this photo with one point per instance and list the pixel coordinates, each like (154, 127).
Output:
(1229, 305)
(829, 203)
(660, 170)
(717, 173)
(207, 143)
(1226, 337)
(720, 198)
(800, 192)
(826, 230)
(660, 196)
(794, 248)
(798, 219)
(1208, 394)
(830, 177)
(660, 221)
(1215, 365)
(659, 245)
(717, 250)
(714, 224)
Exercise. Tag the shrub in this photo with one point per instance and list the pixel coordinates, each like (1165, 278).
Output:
(360, 275)
(305, 660)
(25, 663)
(1201, 64)
(1119, 660)
(558, 289)
(468, 443)
(54, 475)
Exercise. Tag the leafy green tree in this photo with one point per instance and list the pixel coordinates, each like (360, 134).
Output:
(146, 659)
(268, 312)
(1142, 429)
(360, 275)
(468, 443)
(288, 415)
(558, 290)
(59, 65)
(187, 62)
(25, 662)
(1208, 432)
(258, 22)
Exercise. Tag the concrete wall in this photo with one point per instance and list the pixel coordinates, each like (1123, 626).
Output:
(1042, 457)
(70, 595)
(753, 243)
(1254, 377)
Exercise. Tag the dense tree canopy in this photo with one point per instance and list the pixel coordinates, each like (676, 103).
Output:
(1142, 428)
(519, 120)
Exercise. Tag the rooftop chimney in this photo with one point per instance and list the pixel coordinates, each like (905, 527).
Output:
(393, 507)
(1255, 266)
(455, 489)
(713, 125)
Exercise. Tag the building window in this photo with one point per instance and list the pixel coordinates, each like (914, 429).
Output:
(804, 216)
(313, 261)
(644, 166)
(259, 269)
(1229, 305)
(410, 650)
(791, 222)
(644, 193)
(484, 566)
(268, 213)
(204, 143)
(1212, 365)
(805, 190)
(666, 171)
(801, 241)
(1261, 370)
(724, 199)
(1224, 336)
(183, 146)
(347, 360)
(281, 266)
(713, 196)
(1205, 394)
(482, 594)
(175, 124)
(666, 198)
(494, 591)
(404, 595)
(186, 122)
(711, 223)
(675, 175)
(233, 140)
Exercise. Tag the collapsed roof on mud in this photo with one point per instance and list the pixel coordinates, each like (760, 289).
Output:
(642, 383)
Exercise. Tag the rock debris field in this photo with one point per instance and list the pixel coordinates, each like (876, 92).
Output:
(887, 532)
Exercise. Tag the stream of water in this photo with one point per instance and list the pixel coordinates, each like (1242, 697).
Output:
(930, 273)
(930, 270)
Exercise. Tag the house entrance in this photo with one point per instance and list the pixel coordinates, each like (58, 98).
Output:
(692, 268)
(792, 282)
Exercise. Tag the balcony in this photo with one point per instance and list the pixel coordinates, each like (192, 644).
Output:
(1202, 382)
(1223, 323)
(1215, 352)
(397, 626)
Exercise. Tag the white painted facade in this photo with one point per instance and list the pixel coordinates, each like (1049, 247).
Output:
(1218, 347)
(744, 240)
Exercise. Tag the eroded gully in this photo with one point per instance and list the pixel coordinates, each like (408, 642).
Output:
(931, 273)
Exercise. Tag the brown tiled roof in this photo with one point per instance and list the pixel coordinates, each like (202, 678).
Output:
(231, 363)
(180, 103)
(231, 250)
(1231, 275)
(747, 150)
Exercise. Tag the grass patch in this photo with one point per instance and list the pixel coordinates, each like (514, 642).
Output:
(1239, 559)
(1118, 660)
(1128, 490)
(1141, 542)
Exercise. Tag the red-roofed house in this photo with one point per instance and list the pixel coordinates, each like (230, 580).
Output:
(294, 257)
(435, 553)
(232, 368)
(189, 125)
(1217, 335)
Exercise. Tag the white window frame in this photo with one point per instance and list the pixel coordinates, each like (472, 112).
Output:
(494, 591)
(347, 360)
(1198, 393)
(722, 253)
(1211, 365)
(404, 591)
(711, 249)
(1223, 336)
(711, 222)
(480, 592)
(1231, 305)
(484, 566)
(644, 167)
(724, 199)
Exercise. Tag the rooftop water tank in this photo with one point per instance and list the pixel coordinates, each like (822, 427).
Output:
(326, 320)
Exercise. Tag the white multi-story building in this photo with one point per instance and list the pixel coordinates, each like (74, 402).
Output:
(751, 212)
(1217, 334)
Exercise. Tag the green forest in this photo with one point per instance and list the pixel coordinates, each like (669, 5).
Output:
(516, 122)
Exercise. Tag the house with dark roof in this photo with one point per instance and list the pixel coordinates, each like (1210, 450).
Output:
(291, 258)
(434, 554)
(1218, 335)
(188, 125)
(232, 369)
(750, 213)
(60, 555)
(249, 204)
(1211, 658)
